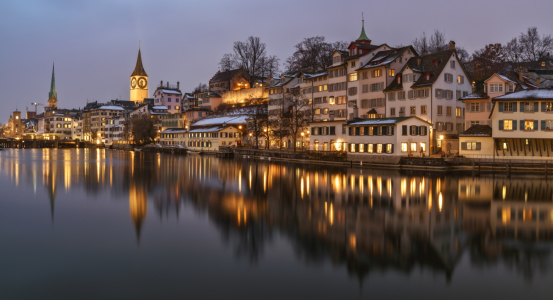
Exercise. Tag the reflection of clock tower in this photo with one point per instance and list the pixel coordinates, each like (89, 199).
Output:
(139, 81)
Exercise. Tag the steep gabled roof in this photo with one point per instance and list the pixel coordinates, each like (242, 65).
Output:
(227, 75)
(535, 94)
(477, 130)
(386, 57)
(433, 64)
(139, 68)
(475, 96)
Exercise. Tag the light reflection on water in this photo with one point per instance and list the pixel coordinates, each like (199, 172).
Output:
(276, 217)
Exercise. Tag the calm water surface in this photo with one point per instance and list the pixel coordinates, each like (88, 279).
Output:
(105, 224)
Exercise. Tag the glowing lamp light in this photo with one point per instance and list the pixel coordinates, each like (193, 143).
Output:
(302, 134)
(441, 137)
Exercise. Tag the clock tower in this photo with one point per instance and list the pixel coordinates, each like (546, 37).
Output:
(139, 81)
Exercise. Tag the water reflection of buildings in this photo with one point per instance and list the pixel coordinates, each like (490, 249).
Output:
(364, 219)
(137, 206)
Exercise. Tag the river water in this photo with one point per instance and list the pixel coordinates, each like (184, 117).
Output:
(107, 224)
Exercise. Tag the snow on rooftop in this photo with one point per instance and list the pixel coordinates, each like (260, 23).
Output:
(375, 122)
(528, 95)
(221, 120)
(384, 121)
(505, 78)
(210, 129)
(160, 107)
(171, 92)
(111, 107)
(174, 130)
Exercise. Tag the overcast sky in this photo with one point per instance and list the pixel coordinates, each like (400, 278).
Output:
(95, 43)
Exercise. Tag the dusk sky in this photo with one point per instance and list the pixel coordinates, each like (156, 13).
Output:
(95, 43)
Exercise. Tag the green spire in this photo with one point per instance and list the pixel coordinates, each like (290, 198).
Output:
(363, 36)
(53, 86)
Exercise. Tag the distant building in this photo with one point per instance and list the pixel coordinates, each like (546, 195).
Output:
(169, 96)
(53, 95)
(139, 81)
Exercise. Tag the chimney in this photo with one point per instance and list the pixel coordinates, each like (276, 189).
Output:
(419, 61)
(355, 112)
(167, 84)
(178, 85)
(520, 73)
(161, 84)
(451, 45)
(538, 82)
(424, 52)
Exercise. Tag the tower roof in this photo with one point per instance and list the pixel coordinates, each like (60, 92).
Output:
(363, 36)
(53, 92)
(139, 69)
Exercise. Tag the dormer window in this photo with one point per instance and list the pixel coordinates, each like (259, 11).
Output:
(398, 78)
(435, 63)
(353, 64)
(427, 76)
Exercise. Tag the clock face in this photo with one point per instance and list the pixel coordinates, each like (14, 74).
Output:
(142, 82)
(133, 83)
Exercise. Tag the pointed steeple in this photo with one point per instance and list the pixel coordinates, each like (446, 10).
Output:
(363, 36)
(53, 92)
(139, 69)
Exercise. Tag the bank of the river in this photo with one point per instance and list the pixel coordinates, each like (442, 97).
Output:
(416, 163)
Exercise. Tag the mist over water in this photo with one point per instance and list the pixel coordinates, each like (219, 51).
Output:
(106, 224)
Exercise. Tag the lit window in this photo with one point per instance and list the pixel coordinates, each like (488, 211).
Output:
(403, 147)
(423, 147)
(391, 72)
(352, 148)
(361, 147)
(508, 124)
(389, 148)
(378, 148)
(529, 125)
(496, 88)
(413, 147)
(370, 148)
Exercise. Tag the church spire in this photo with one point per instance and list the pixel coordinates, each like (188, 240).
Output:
(53, 92)
(363, 36)
(139, 69)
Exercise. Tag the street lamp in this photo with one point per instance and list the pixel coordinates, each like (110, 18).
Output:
(302, 141)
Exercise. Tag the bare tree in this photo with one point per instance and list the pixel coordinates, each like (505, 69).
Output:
(438, 42)
(534, 47)
(298, 116)
(487, 61)
(202, 87)
(257, 119)
(313, 51)
(228, 62)
(268, 66)
(462, 54)
(143, 129)
(421, 44)
(513, 51)
(251, 55)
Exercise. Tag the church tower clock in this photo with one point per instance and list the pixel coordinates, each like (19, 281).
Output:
(139, 81)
